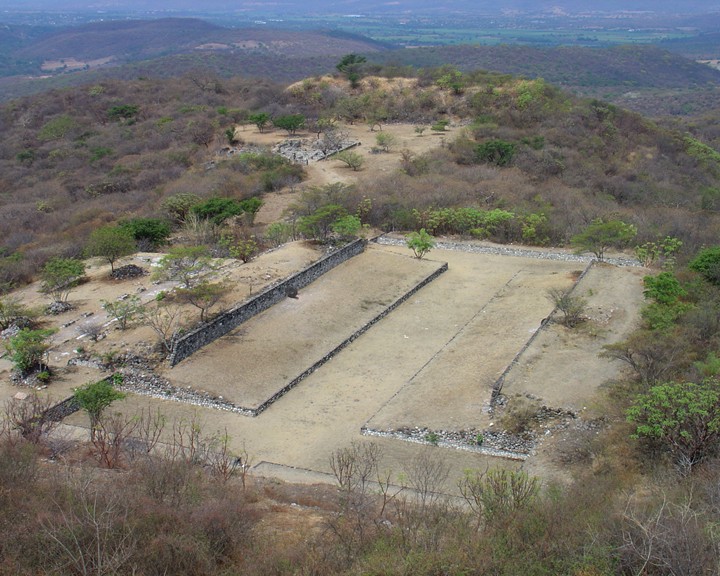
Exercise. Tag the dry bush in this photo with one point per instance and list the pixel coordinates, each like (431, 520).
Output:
(520, 416)
(27, 418)
(661, 537)
(109, 439)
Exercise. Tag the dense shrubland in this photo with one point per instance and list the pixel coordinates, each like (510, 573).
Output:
(81, 158)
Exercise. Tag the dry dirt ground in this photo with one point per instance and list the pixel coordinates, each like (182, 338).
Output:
(430, 363)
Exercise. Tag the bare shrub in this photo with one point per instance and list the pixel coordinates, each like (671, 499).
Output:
(28, 418)
(355, 469)
(109, 441)
(572, 307)
(18, 465)
(86, 530)
(165, 322)
(520, 416)
(496, 495)
(92, 330)
(225, 463)
(662, 537)
(147, 433)
(200, 231)
(424, 513)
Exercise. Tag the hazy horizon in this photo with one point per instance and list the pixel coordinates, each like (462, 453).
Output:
(365, 6)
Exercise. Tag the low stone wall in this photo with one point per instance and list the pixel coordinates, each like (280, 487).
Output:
(191, 342)
(62, 409)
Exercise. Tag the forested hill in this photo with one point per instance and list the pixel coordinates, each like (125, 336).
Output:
(627, 66)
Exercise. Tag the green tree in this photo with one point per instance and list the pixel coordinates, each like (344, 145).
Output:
(319, 224)
(185, 264)
(111, 243)
(386, 140)
(347, 226)
(260, 119)
(152, 232)
(601, 235)
(707, 264)
(420, 243)
(220, 209)
(11, 309)
(496, 152)
(680, 417)
(664, 288)
(290, 122)
(124, 311)
(28, 349)
(351, 159)
(659, 251)
(351, 66)
(454, 80)
(94, 398)
(178, 206)
(123, 112)
(203, 295)
(60, 276)
(242, 248)
(666, 307)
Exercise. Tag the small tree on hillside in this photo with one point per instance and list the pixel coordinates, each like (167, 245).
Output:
(572, 307)
(601, 235)
(680, 417)
(28, 349)
(11, 310)
(290, 122)
(707, 264)
(260, 119)
(203, 296)
(111, 243)
(420, 243)
(319, 224)
(351, 159)
(178, 206)
(386, 140)
(60, 276)
(351, 66)
(185, 264)
(94, 398)
(124, 311)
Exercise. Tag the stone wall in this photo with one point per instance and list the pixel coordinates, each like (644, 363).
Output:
(354, 336)
(191, 342)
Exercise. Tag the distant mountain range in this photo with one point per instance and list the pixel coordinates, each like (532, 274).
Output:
(375, 6)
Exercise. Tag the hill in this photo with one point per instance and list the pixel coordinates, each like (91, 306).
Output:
(114, 43)
(96, 164)
(627, 66)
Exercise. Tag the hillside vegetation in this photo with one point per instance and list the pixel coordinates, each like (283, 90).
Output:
(513, 160)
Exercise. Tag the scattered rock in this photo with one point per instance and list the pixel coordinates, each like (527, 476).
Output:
(126, 272)
(58, 308)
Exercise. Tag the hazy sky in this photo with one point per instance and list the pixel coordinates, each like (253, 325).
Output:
(341, 6)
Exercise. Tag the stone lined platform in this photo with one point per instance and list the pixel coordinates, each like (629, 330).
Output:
(269, 354)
